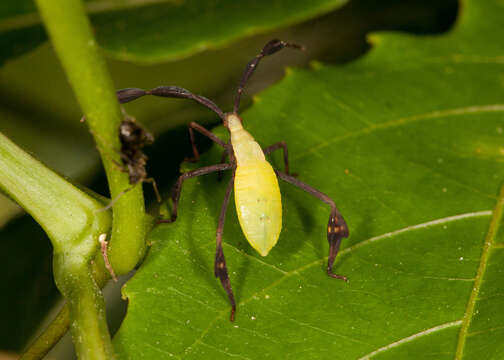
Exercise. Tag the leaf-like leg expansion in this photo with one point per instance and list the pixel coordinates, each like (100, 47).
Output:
(276, 146)
(190, 174)
(205, 132)
(220, 268)
(337, 228)
(269, 49)
(129, 94)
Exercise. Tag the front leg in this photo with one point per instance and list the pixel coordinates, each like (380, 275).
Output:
(220, 268)
(195, 126)
(337, 228)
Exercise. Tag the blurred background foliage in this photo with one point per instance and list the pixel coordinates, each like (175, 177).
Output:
(38, 110)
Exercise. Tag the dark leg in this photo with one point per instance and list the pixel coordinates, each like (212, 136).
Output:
(193, 145)
(337, 228)
(205, 132)
(190, 174)
(154, 186)
(223, 159)
(280, 145)
(220, 269)
(114, 200)
(130, 94)
(181, 93)
(269, 49)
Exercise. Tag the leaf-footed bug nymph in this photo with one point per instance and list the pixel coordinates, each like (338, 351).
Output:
(257, 194)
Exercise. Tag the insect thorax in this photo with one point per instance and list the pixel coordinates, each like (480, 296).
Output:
(245, 148)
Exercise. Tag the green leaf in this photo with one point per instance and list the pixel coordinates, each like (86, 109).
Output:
(154, 31)
(408, 141)
(172, 30)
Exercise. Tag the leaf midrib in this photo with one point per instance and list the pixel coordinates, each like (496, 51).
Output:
(485, 255)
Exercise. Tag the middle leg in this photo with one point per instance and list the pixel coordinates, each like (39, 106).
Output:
(224, 155)
(276, 146)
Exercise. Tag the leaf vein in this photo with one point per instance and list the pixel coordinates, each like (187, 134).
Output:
(453, 180)
(190, 297)
(485, 255)
(476, 109)
(310, 326)
(161, 351)
(222, 351)
(241, 252)
(485, 331)
(411, 338)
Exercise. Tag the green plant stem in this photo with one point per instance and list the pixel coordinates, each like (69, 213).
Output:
(66, 212)
(61, 323)
(69, 217)
(51, 335)
(89, 329)
(72, 37)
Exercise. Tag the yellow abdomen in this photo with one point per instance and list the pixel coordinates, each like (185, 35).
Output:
(258, 204)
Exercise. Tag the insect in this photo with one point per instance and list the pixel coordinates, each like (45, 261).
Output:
(133, 138)
(257, 194)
